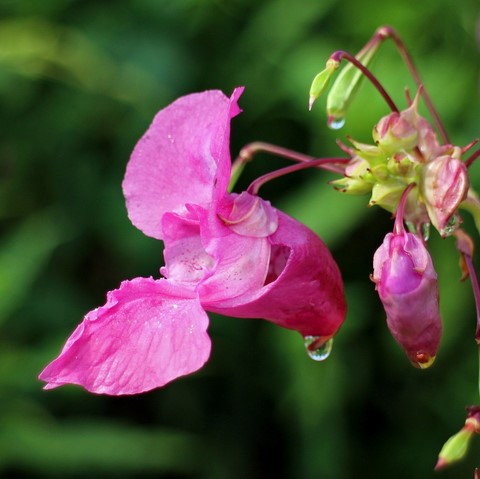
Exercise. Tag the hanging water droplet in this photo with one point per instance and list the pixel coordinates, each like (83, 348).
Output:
(318, 348)
(426, 231)
(335, 123)
(451, 226)
(423, 360)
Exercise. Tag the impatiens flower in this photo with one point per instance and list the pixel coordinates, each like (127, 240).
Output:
(232, 254)
(406, 282)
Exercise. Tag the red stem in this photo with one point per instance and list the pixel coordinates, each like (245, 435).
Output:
(388, 31)
(248, 151)
(399, 228)
(340, 55)
(472, 158)
(476, 291)
(259, 182)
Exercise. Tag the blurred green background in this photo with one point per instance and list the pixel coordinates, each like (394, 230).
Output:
(79, 83)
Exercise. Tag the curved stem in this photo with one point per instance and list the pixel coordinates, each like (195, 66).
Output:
(259, 182)
(476, 291)
(398, 227)
(249, 151)
(472, 158)
(342, 55)
(388, 31)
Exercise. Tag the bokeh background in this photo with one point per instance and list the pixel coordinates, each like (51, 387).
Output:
(79, 83)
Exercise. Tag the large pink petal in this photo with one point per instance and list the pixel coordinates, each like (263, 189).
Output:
(182, 158)
(148, 333)
(304, 289)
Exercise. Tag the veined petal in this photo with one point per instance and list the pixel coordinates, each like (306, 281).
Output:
(186, 260)
(147, 334)
(304, 288)
(182, 158)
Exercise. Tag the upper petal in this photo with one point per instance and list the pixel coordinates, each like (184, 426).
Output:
(147, 334)
(182, 158)
(304, 289)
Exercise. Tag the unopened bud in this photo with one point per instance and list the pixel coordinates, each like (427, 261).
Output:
(407, 285)
(444, 185)
(347, 84)
(396, 132)
(322, 80)
(457, 445)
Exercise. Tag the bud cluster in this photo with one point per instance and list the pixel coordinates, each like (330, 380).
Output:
(423, 181)
(407, 151)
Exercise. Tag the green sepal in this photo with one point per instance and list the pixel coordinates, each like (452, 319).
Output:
(322, 80)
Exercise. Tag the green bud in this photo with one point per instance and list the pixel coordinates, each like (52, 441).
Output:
(352, 186)
(346, 86)
(387, 194)
(370, 153)
(358, 179)
(322, 80)
(456, 447)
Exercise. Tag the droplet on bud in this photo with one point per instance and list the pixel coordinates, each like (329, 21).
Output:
(335, 123)
(452, 224)
(423, 360)
(318, 348)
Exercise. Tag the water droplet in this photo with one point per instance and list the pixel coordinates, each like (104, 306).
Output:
(451, 226)
(423, 360)
(426, 231)
(318, 348)
(335, 123)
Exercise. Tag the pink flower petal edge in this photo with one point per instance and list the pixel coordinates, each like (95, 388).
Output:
(182, 158)
(147, 334)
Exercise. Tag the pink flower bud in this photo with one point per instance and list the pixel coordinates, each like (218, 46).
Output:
(407, 285)
(444, 185)
(397, 131)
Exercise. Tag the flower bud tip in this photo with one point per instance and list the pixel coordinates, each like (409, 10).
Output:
(441, 464)
(423, 360)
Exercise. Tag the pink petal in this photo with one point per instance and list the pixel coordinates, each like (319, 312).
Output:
(304, 290)
(146, 335)
(240, 262)
(186, 260)
(182, 158)
(248, 215)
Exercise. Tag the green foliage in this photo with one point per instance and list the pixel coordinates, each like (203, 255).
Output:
(79, 83)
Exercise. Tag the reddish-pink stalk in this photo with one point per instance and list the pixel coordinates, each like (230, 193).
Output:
(389, 32)
(398, 227)
(472, 158)
(250, 150)
(259, 182)
(476, 290)
(342, 55)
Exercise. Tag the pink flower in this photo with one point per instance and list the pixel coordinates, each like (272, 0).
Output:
(226, 253)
